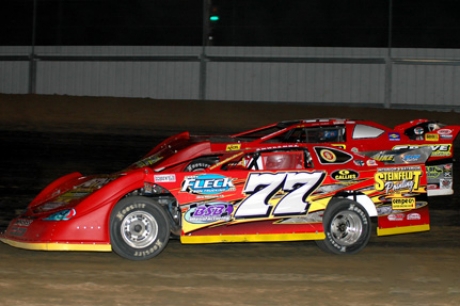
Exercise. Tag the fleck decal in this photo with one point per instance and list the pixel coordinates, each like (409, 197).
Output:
(207, 184)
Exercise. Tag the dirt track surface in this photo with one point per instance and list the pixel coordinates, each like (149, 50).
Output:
(399, 270)
(417, 269)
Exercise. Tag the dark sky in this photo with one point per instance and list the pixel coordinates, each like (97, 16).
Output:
(315, 23)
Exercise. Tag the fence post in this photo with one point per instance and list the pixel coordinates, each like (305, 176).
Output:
(388, 60)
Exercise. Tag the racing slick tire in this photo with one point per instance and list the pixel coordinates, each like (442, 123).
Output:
(199, 165)
(347, 227)
(139, 228)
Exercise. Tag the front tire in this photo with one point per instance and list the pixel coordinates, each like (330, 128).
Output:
(347, 227)
(139, 228)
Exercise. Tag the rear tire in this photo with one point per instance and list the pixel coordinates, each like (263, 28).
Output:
(347, 227)
(139, 228)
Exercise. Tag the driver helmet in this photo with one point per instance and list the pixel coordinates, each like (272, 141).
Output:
(433, 127)
(326, 135)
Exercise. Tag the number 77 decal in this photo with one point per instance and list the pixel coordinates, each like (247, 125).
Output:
(263, 186)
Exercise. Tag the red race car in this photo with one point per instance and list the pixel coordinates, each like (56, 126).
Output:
(367, 137)
(269, 192)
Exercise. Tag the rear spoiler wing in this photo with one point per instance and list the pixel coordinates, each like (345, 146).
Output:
(405, 156)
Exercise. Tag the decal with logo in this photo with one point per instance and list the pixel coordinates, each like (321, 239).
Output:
(434, 171)
(431, 137)
(344, 175)
(328, 155)
(403, 203)
(445, 133)
(162, 178)
(383, 157)
(398, 179)
(209, 213)
(414, 216)
(393, 136)
(233, 147)
(436, 150)
(207, 184)
(410, 157)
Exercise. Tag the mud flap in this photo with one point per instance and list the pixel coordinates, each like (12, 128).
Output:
(405, 221)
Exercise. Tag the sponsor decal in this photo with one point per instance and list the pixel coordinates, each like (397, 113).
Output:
(393, 136)
(419, 132)
(383, 157)
(328, 155)
(151, 160)
(445, 183)
(233, 147)
(434, 171)
(371, 162)
(403, 203)
(411, 158)
(432, 187)
(414, 216)
(163, 178)
(209, 213)
(398, 179)
(431, 137)
(207, 184)
(384, 210)
(17, 231)
(396, 217)
(344, 175)
(23, 222)
(445, 133)
(436, 150)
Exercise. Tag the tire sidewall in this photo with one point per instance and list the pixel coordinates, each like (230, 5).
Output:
(346, 205)
(140, 204)
(198, 165)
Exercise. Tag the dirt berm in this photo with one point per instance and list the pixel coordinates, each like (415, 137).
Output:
(144, 116)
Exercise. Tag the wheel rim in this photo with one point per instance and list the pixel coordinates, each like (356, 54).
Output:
(346, 228)
(139, 229)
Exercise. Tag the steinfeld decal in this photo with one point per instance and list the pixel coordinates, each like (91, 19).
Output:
(397, 180)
